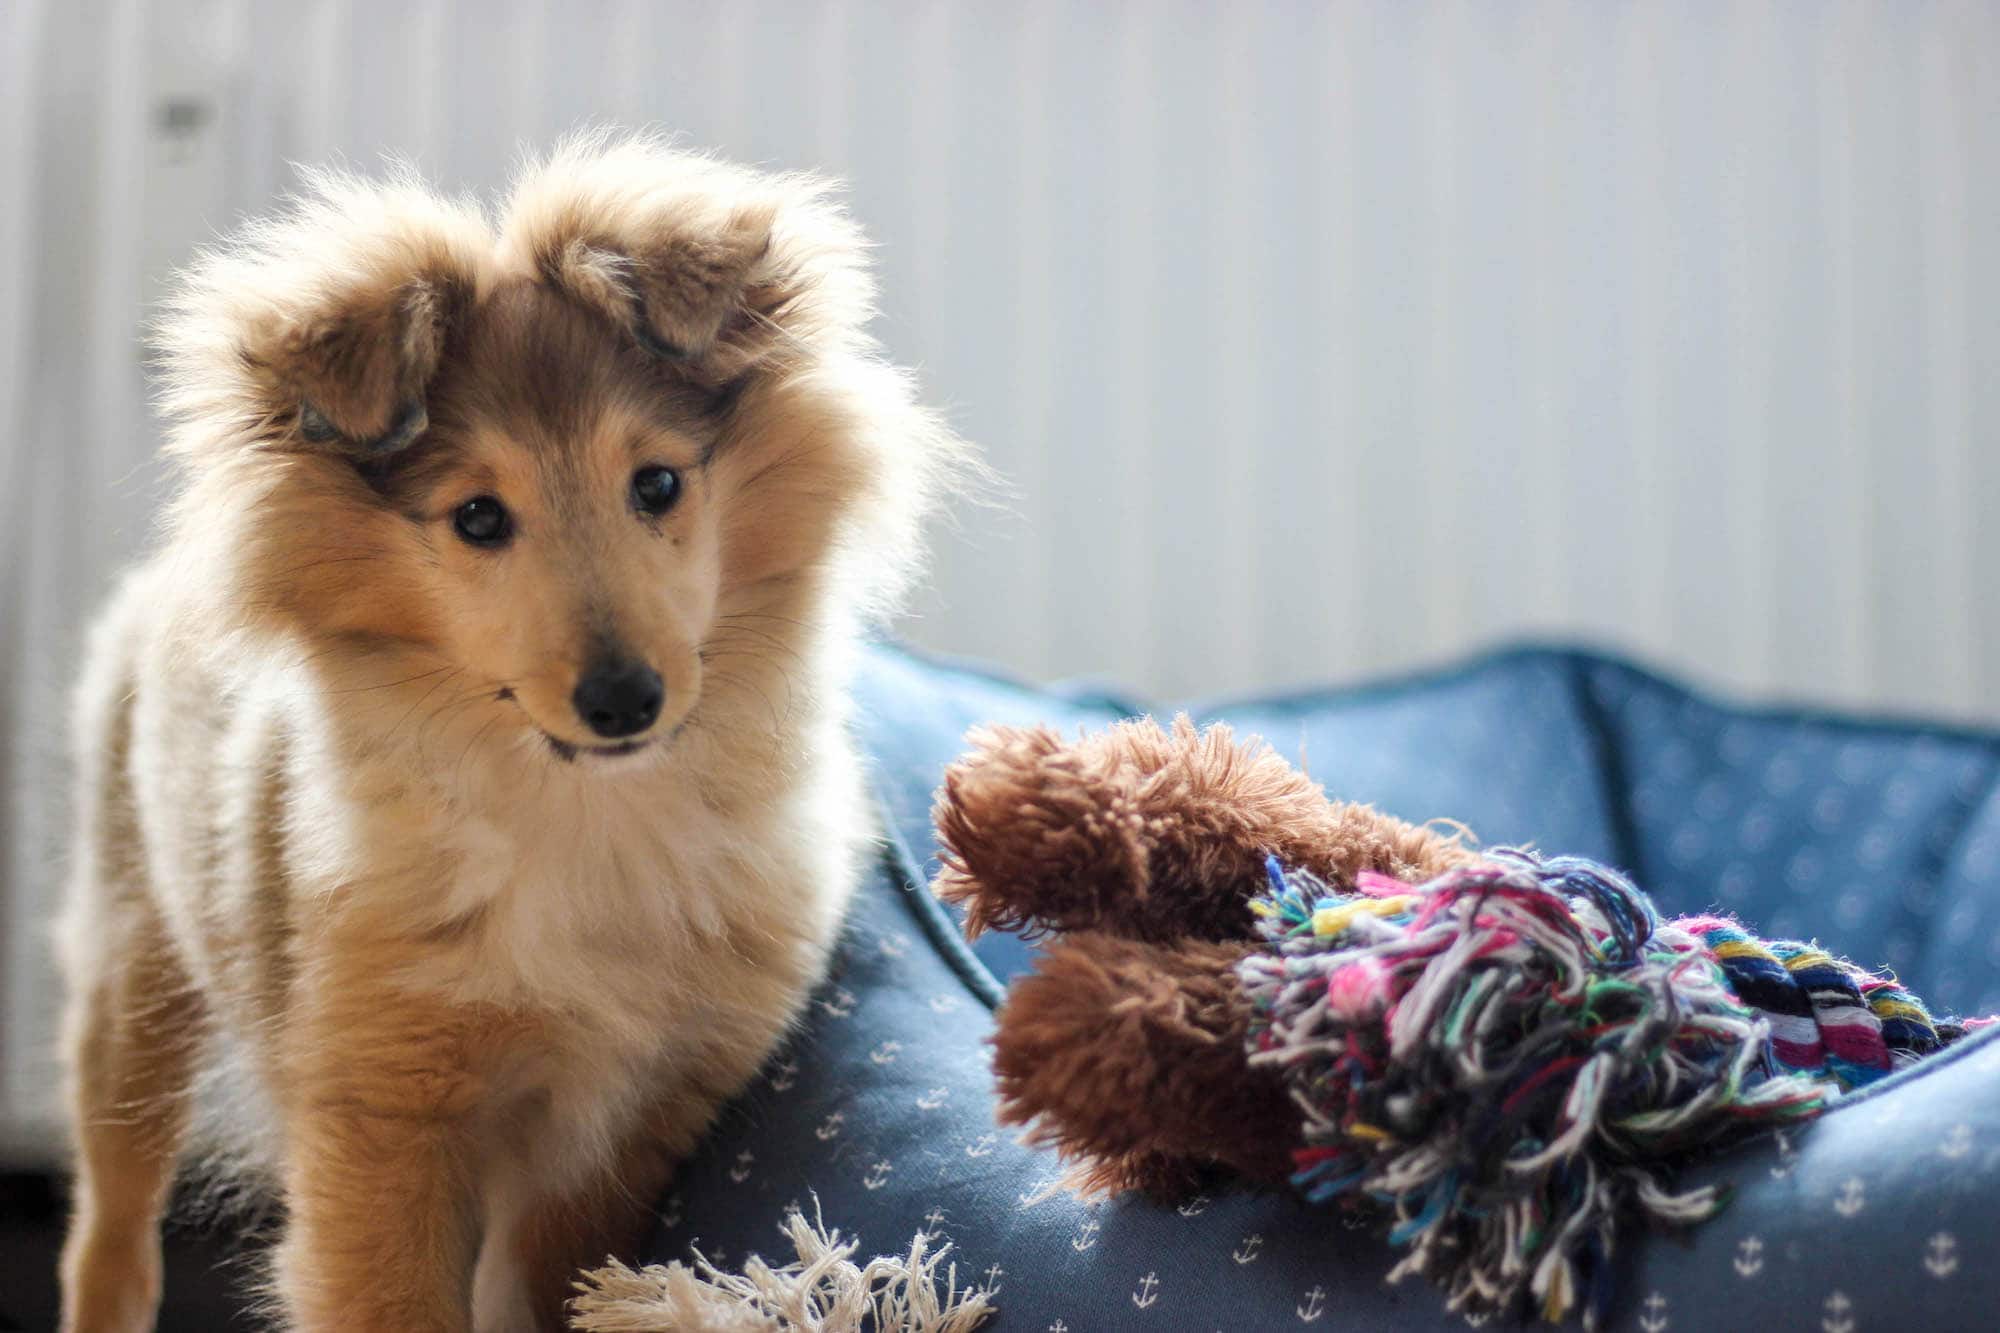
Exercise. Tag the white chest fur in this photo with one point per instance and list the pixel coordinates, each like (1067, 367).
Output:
(647, 930)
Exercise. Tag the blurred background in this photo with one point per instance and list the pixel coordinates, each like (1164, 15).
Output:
(1316, 341)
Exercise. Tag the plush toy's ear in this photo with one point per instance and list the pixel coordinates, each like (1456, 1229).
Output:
(715, 269)
(1149, 833)
(1129, 1059)
(320, 329)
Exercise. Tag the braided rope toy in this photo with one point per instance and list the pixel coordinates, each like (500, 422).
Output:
(1506, 1057)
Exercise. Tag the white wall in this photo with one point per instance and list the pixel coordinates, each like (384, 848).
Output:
(1316, 339)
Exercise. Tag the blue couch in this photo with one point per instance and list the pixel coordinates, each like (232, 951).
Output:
(1881, 839)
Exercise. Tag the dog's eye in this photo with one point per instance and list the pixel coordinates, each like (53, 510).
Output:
(483, 521)
(654, 489)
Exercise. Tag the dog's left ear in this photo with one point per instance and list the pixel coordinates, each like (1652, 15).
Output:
(683, 286)
(715, 269)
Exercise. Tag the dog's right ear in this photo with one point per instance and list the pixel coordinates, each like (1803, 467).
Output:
(353, 368)
(321, 329)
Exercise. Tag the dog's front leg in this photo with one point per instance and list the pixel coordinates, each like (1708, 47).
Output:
(379, 1233)
(382, 1223)
(535, 1250)
(606, 1215)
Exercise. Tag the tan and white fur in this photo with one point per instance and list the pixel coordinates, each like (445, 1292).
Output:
(346, 831)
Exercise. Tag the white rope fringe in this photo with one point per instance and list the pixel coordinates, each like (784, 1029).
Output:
(822, 1291)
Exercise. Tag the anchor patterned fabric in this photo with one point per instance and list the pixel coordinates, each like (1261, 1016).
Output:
(1881, 841)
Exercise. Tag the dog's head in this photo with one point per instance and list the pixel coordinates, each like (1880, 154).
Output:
(629, 451)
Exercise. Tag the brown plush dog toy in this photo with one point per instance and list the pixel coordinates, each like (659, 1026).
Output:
(1140, 848)
(1498, 1053)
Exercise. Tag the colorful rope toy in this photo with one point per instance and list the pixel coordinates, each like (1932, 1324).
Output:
(1504, 1057)
(1502, 1054)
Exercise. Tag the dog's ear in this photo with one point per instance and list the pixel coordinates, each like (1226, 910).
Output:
(352, 368)
(715, 269)
(682, 286)
(320, 329)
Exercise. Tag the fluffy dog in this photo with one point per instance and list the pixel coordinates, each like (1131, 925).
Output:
(466, 770)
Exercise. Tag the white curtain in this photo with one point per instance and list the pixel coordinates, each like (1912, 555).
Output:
(1316, 339)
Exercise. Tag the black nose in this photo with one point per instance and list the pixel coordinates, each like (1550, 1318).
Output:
(617, 698)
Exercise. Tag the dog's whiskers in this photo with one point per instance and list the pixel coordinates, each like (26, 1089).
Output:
(392, 684)
(764, 636)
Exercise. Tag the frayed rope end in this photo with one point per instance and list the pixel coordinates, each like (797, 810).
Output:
(821, 1291)
(1502, 1059)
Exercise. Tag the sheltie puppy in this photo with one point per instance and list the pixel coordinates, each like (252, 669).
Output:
(466, 772)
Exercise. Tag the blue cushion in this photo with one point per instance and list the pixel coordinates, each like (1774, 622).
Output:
(1876, 1216)
(1859, 833)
